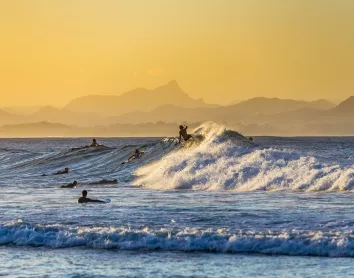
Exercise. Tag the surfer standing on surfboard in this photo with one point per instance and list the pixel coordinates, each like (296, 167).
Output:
(183, 133)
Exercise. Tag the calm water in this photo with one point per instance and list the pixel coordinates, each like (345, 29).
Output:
(223, 208)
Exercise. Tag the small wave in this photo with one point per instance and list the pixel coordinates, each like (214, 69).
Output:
(225, 160)
(294, 242)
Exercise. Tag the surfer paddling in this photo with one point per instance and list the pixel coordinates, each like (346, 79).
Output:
(104, 181)
(183, 134)
(66, 171)
(70, 185)
(84, 199)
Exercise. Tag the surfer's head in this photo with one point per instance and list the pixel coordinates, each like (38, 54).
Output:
(66, 169)
(93, 140)
(75, 183)
(181, 127)
(84, 193)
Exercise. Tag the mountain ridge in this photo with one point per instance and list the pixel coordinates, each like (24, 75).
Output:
(136, 99)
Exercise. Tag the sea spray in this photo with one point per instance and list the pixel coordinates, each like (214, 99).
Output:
(225, 160)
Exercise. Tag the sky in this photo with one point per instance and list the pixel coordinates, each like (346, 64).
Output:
(52, 51)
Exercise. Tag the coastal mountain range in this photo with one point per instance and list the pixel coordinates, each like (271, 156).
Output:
(139, 99)
(170, 104)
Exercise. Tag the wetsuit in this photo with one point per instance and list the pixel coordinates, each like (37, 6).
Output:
(70, 185)
(183, 133)
(61, 172)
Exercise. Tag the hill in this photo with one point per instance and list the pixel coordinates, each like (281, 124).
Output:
(254, 110)
(138, 99)
(64, 116)
(346, 107)
(262, 105)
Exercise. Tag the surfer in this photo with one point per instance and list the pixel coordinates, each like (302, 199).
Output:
(83, 199)
(70, 185)
(66, 171)
(137, 154)
(94, 143)
(104, 181)
(183, 133)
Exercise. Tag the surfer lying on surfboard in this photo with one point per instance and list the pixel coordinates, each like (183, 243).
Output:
(70, 185)
(84, 199)
(104, 181)
(65, 171)
(94, 144)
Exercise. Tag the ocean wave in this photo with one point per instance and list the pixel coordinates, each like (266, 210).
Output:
(291, 242)
(225, 160)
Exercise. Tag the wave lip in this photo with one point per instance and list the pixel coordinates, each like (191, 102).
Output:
(225, 160)
(293, 242)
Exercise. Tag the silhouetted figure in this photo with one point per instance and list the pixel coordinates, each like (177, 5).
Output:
(66, 171)
(83, 199)
(137, 154)
(183, 133)
(94, 143)
(251, 139)
(70, 185)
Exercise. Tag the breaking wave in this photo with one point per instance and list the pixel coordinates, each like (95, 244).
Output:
(292, 242)
(225, 160)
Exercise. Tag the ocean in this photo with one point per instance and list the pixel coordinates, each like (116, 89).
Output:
(221, 206)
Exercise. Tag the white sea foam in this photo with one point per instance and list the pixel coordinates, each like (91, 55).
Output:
(225, 160)
(292, 242)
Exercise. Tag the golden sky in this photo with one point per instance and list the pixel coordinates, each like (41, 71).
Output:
(221, 50)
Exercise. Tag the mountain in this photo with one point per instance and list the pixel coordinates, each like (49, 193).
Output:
(42, 129)
(5, 114)
(344, 108)
(21, 110)
(174, 114)
(8, 118)
(262, 105)
(138, 99)
(64, 116)
(255, 110)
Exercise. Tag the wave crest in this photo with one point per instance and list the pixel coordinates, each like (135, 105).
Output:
(225, 160)
(313, 243)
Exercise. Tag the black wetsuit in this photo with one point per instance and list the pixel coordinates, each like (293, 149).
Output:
(183, 133)
(82, 200)
(70, 185)
(61, 173)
